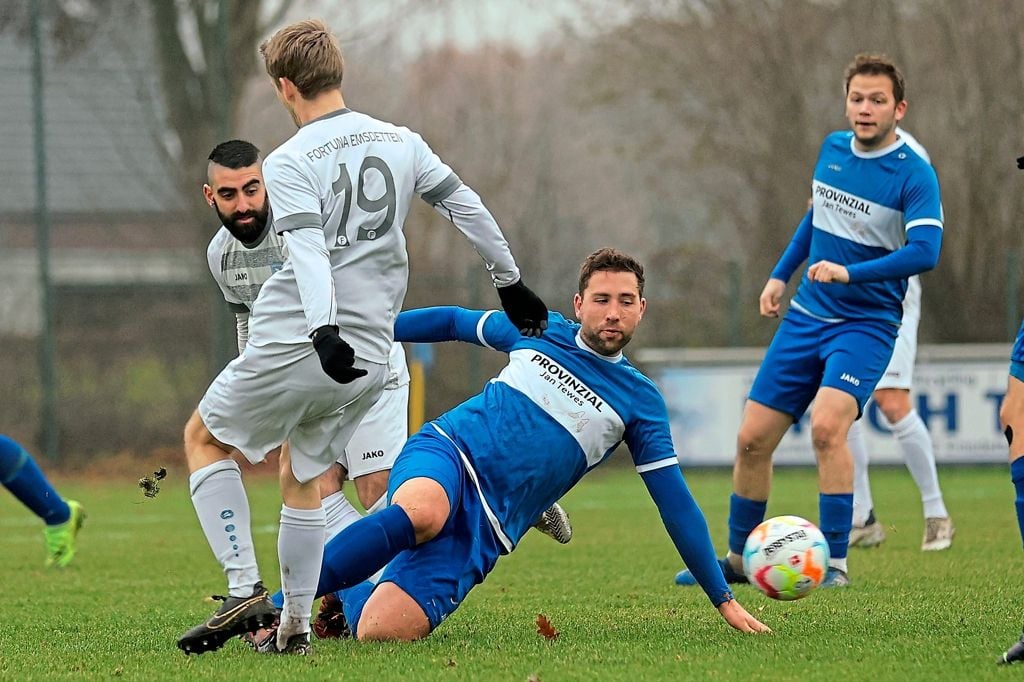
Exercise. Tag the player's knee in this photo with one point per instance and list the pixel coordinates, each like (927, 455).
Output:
(427, 521)
(752, 444)
(827, 432)
(894, 403)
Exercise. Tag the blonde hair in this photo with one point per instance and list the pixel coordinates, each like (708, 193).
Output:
(307, 54)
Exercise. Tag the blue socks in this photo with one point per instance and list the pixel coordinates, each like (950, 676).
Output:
(20, 475)
(744, 516)
(1017, 475)
(352, 602)
(836, 514)
(362, 549)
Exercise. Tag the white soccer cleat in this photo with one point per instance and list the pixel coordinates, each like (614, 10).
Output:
(554, 523)
(938, 534)
(870, 535)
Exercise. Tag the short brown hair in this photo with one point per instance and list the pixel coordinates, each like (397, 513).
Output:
(866, 64)
(610, 260)
(307, 54)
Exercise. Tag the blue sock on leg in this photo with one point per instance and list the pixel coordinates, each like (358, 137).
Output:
(353, 600)
(362, 549)
(836, 514)
(20, 474)
(1017, 476)
(744, 516)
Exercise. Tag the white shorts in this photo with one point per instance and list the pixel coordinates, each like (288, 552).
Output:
(279, 392)
(900, 372)
(380, 436)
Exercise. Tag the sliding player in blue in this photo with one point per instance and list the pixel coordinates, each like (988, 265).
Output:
(875, 220)
(20, 474)
(1011, 416)
(470, 484)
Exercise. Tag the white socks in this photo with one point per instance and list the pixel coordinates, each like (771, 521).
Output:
(340, 514)
(223, 511)
(300, 549)
(838, 563)
(862, 502)
(919, 455)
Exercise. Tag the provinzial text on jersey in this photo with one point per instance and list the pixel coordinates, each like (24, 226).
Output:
(352, 140)
(570, 385)
(830, 194)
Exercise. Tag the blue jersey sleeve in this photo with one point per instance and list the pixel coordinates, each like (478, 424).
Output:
(688, 529)
(489, 328)
(647, 434)
(797, 251)
(920, 254)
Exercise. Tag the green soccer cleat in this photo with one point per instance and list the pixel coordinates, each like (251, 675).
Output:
(60, 539)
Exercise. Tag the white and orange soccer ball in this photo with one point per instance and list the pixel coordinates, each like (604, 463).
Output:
(785, 557)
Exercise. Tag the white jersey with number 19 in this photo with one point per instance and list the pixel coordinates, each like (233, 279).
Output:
(354, 176)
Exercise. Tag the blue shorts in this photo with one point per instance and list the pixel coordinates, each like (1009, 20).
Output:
(440, 573)
(807, 354)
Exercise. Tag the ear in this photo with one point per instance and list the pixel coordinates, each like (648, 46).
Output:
(286, 88)
(901, 110)
(208, 194)
(577, 303)
(643, 308)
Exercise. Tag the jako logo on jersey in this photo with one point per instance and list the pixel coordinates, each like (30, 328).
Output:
(241, 277)
(835, 167)
(570, 385)
(835, 195)
(372, 453)
(848, 378)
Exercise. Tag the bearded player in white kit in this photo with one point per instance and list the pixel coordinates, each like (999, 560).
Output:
(341, 189)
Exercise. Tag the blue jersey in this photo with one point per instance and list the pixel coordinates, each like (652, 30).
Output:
(864, 206)
(556, 411)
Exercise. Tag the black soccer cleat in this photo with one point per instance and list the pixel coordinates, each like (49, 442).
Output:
(297, 645)
(236, 616)
(330, 622)
(1015, 654)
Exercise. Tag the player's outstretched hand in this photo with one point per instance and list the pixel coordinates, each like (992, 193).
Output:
(524, 309)
(827, 271)
(737, 616)
(336, 357)
(771, 297)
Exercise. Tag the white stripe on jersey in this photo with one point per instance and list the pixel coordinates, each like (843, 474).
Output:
(491, 516)
(831, 216)
(567, 400)
(480, 329)
(660, 464)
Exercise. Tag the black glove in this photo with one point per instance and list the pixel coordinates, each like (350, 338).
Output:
(336, 356)
(1020, 162)
(524, 309)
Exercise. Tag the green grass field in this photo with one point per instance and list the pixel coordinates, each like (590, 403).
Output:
(144, 569)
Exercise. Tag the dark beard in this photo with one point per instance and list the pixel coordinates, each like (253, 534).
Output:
(247, 234)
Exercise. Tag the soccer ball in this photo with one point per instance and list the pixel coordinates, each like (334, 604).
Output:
(785, 557)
